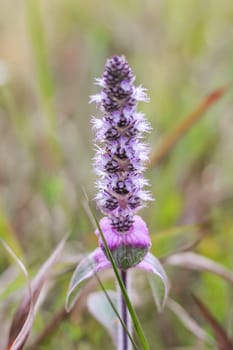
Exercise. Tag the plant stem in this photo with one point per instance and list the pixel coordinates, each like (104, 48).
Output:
(124, 342)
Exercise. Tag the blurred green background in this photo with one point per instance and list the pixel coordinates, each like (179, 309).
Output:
(50, 53)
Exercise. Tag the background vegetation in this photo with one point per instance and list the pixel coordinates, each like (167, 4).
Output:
(50, 53)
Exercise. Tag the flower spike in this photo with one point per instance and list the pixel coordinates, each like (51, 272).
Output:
(120, 161)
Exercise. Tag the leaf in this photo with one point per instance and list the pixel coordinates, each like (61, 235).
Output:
(188, 321)
(101, 309)
(24, 316)
(157, 278)
(198, 262)
(92, 263)
(222, 338)
(185, 125)
(19, 330)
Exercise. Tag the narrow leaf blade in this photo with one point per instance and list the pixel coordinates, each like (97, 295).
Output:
(24, 316)
(222, 338)
(21, 323)
(188, 322)
(198, 262)
(186, 124)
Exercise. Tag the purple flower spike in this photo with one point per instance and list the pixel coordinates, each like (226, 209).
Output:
(120, 161)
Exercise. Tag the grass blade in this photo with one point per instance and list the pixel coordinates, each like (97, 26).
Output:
(223, 340)
(198, 262)
(185, 125)
(21, 324)
(24, 316)
(188, 322)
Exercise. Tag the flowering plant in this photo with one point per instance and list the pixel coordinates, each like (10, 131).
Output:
(119, 163)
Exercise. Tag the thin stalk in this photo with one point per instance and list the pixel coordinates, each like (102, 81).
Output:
(124, 342)
(134, 317)
(128, 330)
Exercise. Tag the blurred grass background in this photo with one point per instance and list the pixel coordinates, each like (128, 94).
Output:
(50, 53)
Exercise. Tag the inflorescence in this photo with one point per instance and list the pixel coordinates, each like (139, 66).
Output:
(121, 157)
